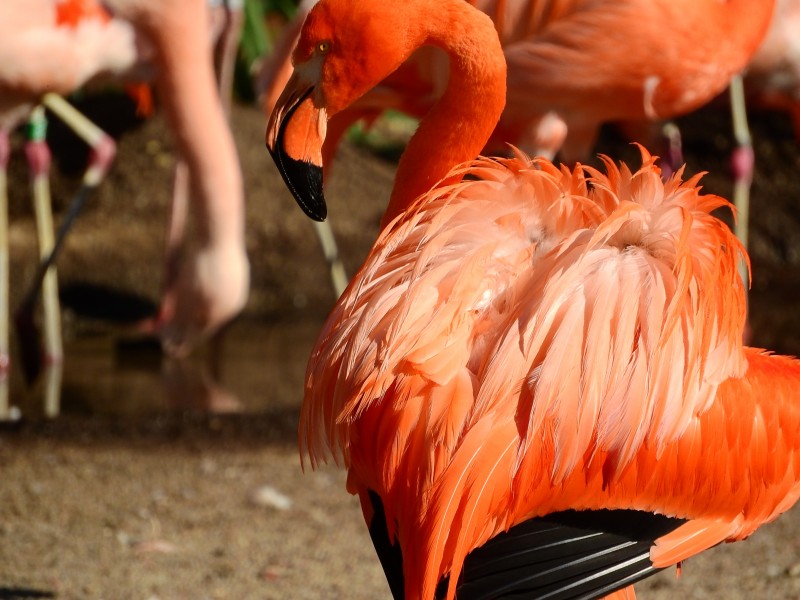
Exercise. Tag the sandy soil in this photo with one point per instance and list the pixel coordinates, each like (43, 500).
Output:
(187, 505)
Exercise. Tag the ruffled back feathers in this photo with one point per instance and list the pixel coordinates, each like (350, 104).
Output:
(509, 327)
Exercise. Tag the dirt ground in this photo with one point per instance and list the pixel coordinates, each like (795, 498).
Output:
(188, 505)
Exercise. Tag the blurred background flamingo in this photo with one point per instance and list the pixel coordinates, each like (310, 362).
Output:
(210, 286)
(773, 76)
(87, 49)
(206, 283)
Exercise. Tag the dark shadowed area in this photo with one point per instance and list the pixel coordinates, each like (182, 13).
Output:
(181, 480)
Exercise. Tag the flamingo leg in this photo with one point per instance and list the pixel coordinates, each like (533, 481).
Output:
(52, 389)
(176, 232)
(673, 148)
(225, 50)
(5, 353)
(742, 162)
(39, 158)
(103, 151)
(331, 252)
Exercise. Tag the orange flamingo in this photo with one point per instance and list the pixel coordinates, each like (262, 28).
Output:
(570, 69)
(536, 380)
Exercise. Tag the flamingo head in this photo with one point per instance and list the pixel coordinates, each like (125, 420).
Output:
(345, 49)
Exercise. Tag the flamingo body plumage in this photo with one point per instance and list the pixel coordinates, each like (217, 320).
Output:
(75, 53)
(529, 353)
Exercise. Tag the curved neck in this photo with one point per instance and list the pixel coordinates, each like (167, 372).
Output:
(460, 123)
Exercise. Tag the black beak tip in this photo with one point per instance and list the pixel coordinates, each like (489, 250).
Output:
(319, 215)
(304, 180)
(312, 201)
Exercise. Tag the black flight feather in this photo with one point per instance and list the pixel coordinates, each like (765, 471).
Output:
(564, 556)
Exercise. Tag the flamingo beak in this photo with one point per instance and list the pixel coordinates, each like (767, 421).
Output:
(295, 134)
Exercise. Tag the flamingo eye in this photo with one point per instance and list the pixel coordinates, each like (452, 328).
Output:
(323, 47)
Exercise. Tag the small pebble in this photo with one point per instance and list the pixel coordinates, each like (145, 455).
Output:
(155, 547)
(267, 495)
(774, 570)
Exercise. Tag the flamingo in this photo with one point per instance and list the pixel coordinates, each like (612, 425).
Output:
(211, 284)
(536, 381)
(772, 80)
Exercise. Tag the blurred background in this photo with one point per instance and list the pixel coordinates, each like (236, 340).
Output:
(133, 474)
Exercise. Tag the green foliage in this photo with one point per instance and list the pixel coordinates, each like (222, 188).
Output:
(257, 39)
(387, 136)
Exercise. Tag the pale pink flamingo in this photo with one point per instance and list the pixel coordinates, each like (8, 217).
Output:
(211, 285)
(40, 56)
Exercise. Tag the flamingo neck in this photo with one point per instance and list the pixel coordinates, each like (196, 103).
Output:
(460, 123)
(179, 32)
